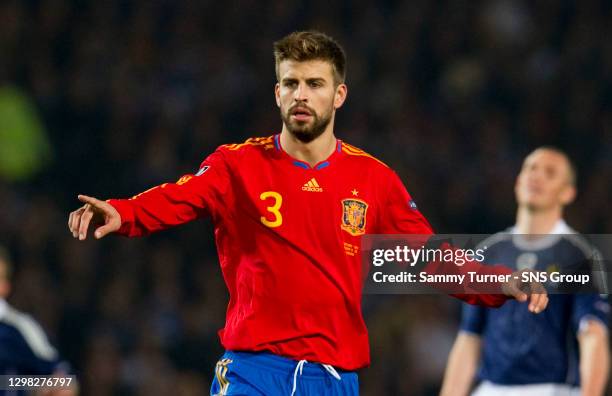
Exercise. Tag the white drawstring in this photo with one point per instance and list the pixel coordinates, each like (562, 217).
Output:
(330, 369)
(300, 366)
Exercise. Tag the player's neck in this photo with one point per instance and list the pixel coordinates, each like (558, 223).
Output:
(530, 221)
(312, 152)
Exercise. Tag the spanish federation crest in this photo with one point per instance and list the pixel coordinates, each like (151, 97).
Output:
(354, 216)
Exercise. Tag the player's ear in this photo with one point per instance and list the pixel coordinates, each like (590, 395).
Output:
(277, 94)
(568, 195)
(340, 97)
(516, 186)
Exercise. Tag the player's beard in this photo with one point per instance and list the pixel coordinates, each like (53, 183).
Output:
(306, 132)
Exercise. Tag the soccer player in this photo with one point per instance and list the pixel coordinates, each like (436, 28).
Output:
(523, 354)
(24, 348)
(288, 212)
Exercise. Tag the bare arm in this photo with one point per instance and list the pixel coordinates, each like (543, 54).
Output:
(594, 358)
(462, 364)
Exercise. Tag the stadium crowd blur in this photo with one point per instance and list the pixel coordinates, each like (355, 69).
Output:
(109, 98)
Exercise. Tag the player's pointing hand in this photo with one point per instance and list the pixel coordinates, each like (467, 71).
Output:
(523, 291)
(95, 212)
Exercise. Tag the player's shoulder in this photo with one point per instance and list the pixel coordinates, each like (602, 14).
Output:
(497, 240)
(574, 238)
(363, 158)
(579, 244)
(231, 154)
(28, 329)
(252, 144)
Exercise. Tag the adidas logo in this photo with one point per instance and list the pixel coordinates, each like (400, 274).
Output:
(312, 185)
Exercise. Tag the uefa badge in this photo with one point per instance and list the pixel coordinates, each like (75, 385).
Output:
(354, 216)
(202, 170)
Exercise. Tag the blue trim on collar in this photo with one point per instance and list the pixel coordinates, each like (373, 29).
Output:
(322, 165)
(301, 164)
(276, 143)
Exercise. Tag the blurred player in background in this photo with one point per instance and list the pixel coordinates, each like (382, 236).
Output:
(519, 353)
(24, 348)
(288, 212)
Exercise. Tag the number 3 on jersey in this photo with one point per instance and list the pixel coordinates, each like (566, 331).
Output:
(274, 209)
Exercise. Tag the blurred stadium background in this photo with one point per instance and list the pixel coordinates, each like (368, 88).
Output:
(108, 98)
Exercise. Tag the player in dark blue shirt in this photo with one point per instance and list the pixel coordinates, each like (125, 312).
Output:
(564, 350)
(24, 348)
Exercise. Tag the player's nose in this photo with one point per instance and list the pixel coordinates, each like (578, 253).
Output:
(301, 93)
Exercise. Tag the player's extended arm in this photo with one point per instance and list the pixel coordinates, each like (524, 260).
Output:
(400, 216)
(489, 294)
(533, 292)
(594, 358)
(462, 365)
(158, 208)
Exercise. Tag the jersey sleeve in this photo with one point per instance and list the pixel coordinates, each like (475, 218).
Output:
(399, 215)
(590, 306)
(473, 319)
(170, 204)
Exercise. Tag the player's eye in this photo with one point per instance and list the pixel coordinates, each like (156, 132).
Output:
(314, 84)
(290, 84)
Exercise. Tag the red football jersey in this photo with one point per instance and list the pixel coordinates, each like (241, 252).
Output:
(288, 239)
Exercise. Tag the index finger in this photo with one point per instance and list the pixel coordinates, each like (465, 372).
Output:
(534, 302)
(540, 303)
(90, 200)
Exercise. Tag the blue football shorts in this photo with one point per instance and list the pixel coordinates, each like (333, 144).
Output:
(266, 374)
